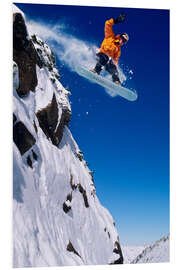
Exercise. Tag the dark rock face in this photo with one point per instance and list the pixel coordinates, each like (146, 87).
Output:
(73, 186)
(25, 55)
(70, 248)
(48, 118)
(65, 118)
(35, 156)
(117, 250)
(23, 139)
(66, 207)
(48, 121)
(14, 118)
(19, 32)
(29, 161)
(83, 192)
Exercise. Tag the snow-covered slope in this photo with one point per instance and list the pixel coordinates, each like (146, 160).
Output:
(131, 252)
(57, 217)
(156, 253)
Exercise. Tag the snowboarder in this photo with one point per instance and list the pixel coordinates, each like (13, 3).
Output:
(110, 50)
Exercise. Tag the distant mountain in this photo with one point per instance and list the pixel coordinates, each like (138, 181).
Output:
(131, 252)
(57, 217)
(156, 253)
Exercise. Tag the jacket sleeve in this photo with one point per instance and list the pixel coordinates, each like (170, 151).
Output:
(108, 28)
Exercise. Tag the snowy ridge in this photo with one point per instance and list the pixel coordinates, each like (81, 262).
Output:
(131, 252)
(57, 217)
(156, 253)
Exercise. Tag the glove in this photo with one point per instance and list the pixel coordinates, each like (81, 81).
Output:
(120, 18)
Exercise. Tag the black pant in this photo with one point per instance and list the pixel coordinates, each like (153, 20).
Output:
(103, 60)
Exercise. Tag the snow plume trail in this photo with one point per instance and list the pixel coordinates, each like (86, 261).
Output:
(69, 49)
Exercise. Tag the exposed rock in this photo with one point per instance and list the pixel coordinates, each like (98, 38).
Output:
(29, 161)
(65, 118)
(69, 197)
(70, 248)
(14, 119)
(35, 127)
(48, 121)
(83, 192)
(23, 139)
(92, 175)
(20, 33)
(25, 55)
(35, 156)
(47, 57)
(108, 233)
(66, 208)
(73, 186)
(117, 250)
(80, 155)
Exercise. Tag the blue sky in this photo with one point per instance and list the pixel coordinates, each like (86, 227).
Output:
(125, 143)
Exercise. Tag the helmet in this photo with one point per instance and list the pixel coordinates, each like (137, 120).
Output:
(125, 37)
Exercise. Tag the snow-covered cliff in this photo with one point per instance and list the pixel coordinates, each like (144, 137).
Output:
(57, 217)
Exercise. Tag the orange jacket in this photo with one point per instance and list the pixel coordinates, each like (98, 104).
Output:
(109, 46)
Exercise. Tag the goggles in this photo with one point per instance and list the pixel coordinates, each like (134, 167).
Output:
(124, 37)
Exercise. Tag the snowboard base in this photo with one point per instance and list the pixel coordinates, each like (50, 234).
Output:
(120, 90)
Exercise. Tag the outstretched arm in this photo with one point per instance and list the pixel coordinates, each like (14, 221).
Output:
(108, 28)
(109, 23)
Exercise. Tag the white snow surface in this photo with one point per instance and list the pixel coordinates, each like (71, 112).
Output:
(131, 252)
(42, 230)
(156, 253)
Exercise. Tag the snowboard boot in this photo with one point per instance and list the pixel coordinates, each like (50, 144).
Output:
(117, 82)
(93, 71)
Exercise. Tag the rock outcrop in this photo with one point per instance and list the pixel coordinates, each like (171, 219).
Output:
(25, 55)
(22, 137)
(48, 121)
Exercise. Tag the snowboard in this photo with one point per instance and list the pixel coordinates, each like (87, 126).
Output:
(95, 78)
